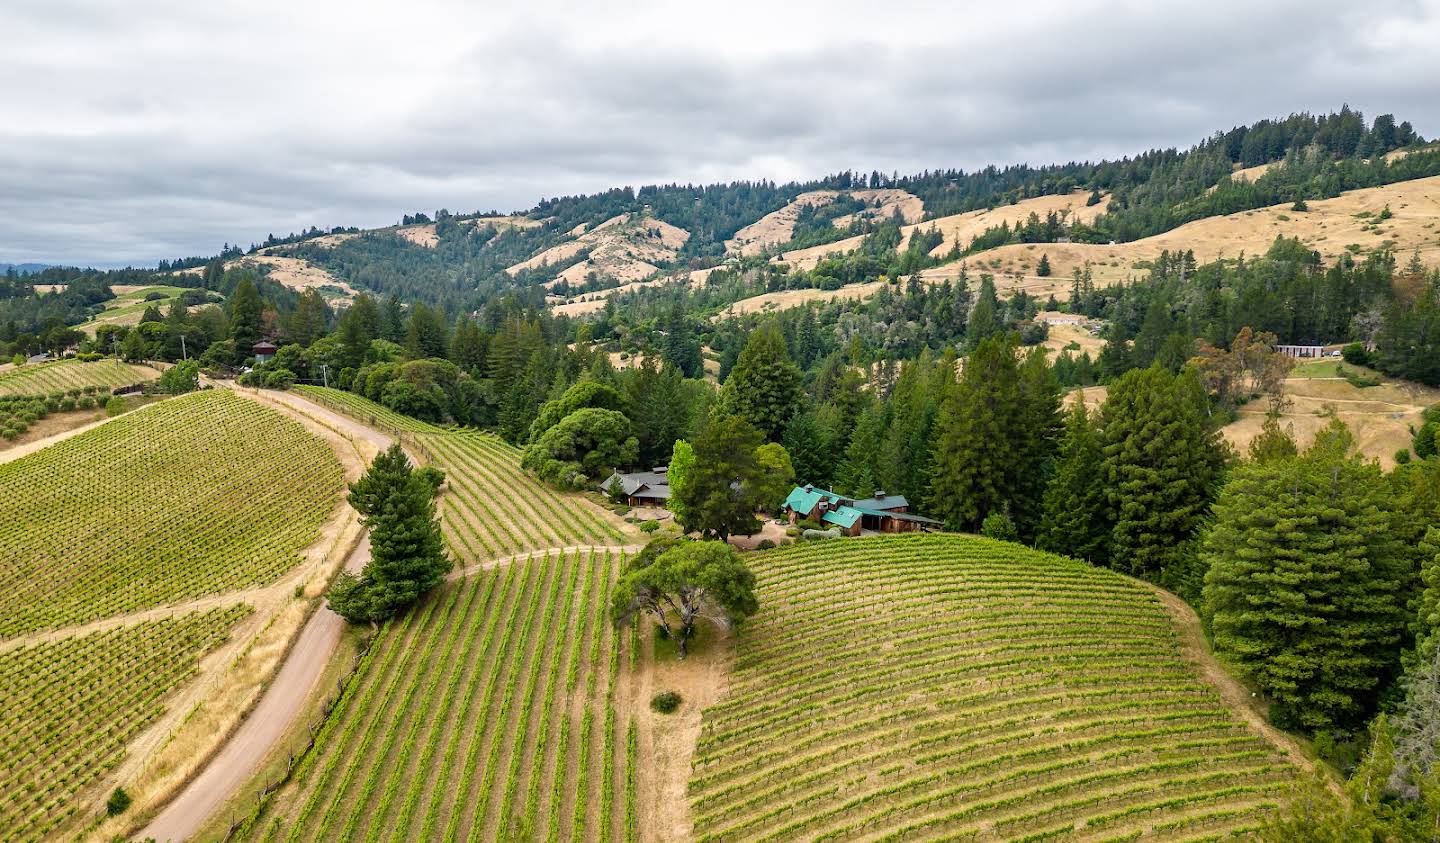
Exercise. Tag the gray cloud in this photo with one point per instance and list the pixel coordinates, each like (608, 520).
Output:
(139, 131)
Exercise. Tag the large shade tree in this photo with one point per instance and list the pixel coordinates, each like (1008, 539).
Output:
(683, 583)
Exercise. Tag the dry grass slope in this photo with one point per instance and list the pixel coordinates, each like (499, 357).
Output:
(951, 687)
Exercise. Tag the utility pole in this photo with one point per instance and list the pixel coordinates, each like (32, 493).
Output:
(183, 354)
(325, 374)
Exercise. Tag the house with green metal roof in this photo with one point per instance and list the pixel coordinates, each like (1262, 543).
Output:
(880, 513)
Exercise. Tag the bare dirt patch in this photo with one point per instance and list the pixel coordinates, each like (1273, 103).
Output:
(778, 227)
(628, 248)
(420, 235)
(298, 274)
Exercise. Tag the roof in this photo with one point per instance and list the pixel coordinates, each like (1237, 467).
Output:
(844, 516)
(804, 498)
(263, 346)
(641, 484)
(880, 500)
(898, 516)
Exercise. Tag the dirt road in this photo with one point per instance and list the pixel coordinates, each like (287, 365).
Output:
(287, 693)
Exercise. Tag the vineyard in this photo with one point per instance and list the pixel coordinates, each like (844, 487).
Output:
(69, 708)
(490, 712)
(72, 376)
(949, 687)
(197, 495)
(490, 506)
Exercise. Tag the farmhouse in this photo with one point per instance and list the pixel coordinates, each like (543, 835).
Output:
(263, 351)
(640, 488)
(878, 513)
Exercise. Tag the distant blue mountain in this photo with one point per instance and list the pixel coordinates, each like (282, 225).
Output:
(23, 268)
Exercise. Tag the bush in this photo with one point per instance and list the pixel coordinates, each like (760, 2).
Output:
(279, 379)
(1300, 206)
(765, 544)
(117, 803)
(997, 525)
(1402, 456)
(1355, 354)
(665, 702)
(809, 524)
(114, 406)
(792, 532)
(1427, 440)
(649, 526)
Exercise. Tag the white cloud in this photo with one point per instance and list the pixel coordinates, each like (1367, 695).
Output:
(132, 132)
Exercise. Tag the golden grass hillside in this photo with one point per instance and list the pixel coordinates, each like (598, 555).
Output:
(627, 248)
(778, 227)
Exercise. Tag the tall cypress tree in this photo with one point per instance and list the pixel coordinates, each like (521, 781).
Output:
(1162, 459)
(975, 468)
(1305, 581)
(1074, 521)
(1037, 433)
(764, 386)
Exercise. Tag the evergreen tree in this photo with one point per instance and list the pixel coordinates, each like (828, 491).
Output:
(978, 432)
(426, 335)
(1304, 586)
(858, 473)
(1036, 435)
(245, 312)
(1074, 522)
(358, 327)
(467, 349)
(719, 492)
(407, 555)
(812, 445)
(1162, 459)
(1043, 268)
(984, 321)
(764, 386)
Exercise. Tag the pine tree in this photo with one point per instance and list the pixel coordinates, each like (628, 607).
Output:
(980, 425)
(858, 473)
(407, 555)
(764, 386)
(1162, 458)
(1303, 589)
(245, 312)
(1074, 521)
(984, 321)
(1043, 268)
(1037, 433)
(812, 445)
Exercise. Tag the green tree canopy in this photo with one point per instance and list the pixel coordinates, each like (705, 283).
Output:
(764, 386)
(581, 448)
(687, 582)
(716, 496)
(407, 556)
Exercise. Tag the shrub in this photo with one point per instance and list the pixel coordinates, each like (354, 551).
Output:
(998, 525)
(1427, 439)
(114, 406)
(665, 702)
(809, 524)
(792, 532)
(1355, 354)
(279, 379)
(765, 544)
(117, 803)
(1300, 206)
(1402, 456)
(649, 526)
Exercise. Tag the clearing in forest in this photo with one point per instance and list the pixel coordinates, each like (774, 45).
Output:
(201, 494)
(492, 711)
(953, 687)
(65, 375)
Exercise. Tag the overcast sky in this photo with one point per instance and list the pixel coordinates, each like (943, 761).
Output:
(139, 130)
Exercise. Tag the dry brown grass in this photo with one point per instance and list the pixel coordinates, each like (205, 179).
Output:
(962, 228)
(795, 298)
(627, 248)
(778, 227)
(1328, 227)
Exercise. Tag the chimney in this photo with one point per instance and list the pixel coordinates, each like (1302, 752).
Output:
(879, 493)
(661, 469)
(809, 487)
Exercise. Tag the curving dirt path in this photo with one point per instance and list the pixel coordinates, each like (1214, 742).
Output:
(1236, 696)
(270, 720)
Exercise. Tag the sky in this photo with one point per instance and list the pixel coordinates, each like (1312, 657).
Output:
(142, 130)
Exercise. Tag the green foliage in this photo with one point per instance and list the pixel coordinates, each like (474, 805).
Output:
(997, 525)
(181, 378)
(1305, 582)
(1075, 522)
(118, 802)
(702, 497)
(774, 478)
(1161, 461)
(583, 447)
(583, 394)
(114, 406)
(690, 580)
(665, 702)
(764, 386)
(1042, 269)
(407, 556)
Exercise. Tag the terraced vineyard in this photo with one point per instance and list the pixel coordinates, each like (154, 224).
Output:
(490, 507)
(489, 713)
(58, 375)
(951, 687)
(197, 495)
(69, 708)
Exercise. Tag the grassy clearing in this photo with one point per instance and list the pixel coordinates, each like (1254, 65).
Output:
(197, 495)
(68, 709)
(487, 713)
(951, 687)
(65, 375)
